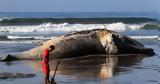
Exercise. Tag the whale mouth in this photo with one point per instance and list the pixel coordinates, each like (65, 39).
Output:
(148, 51)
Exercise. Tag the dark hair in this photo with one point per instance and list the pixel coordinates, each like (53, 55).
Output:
(52, 47)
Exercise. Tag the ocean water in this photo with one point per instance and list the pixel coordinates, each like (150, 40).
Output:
(22, 31)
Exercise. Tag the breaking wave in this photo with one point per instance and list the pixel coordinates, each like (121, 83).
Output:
(21, 41)
(25, 37)
(152, 26)
(66, 27)
(29, 38)
(146, 37)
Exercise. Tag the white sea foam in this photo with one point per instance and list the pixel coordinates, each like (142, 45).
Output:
(26, 42)
(156, 37)
(65, 27)
(29, 37)
(145, 37)
(7, 18)
(18, 37)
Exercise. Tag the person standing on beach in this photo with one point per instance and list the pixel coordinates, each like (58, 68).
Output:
(45, 63)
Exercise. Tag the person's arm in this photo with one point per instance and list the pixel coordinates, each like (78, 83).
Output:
(45, 57)
(45, 61)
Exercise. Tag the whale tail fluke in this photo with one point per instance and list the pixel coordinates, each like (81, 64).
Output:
(7, 57)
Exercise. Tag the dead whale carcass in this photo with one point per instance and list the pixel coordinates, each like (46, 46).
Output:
(97, 41)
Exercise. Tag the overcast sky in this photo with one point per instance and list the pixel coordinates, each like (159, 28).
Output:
(79, 5)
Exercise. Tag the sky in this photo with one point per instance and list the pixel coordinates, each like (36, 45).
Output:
(79, 5)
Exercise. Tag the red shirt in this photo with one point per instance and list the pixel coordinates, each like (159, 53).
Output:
(45, 60)
(45, 55)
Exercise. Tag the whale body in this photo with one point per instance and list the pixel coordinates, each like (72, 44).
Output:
(81, 43)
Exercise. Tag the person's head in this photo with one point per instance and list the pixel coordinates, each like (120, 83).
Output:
(51, 48)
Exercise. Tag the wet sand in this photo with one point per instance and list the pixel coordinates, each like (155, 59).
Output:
(19, 67)
(85, 71)
(93, 69)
